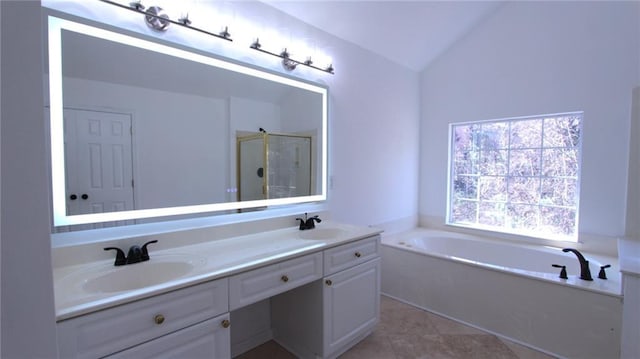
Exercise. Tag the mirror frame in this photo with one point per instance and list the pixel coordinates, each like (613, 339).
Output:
(60, 218)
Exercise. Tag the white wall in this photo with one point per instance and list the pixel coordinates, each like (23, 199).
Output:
(534, 58)
(373, 139)
(633, 183)
(28, 317)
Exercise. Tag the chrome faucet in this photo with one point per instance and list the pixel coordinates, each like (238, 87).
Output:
(308, 223)
(585, 272)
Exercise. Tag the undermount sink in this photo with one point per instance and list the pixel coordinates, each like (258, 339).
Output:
(158, 270)
(321, 233)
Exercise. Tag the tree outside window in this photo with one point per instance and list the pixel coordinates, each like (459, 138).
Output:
(519, 175)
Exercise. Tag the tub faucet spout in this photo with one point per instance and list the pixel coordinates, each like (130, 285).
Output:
(585, 272)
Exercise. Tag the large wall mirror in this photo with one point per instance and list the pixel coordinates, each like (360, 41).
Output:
(141, 130)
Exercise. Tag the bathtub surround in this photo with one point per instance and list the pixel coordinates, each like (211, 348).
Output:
(507, 289)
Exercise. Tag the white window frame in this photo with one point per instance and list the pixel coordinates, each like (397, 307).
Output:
(504, 229)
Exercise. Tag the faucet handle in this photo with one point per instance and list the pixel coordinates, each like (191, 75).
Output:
(563, 272)
(145, 253)
(120, 258)
(602, 274)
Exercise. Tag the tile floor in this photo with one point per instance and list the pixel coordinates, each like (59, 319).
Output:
(408, 332)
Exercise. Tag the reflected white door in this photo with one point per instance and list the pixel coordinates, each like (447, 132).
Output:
(98, 159)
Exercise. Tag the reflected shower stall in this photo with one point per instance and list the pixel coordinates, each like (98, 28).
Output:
(272, 165)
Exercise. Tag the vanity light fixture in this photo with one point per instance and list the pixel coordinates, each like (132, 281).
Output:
(158, 20)
(287, 62)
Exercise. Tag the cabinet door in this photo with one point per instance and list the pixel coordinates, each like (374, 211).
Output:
(351, 305)
(209, 339)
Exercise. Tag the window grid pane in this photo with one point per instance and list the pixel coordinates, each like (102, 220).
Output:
(517, 175)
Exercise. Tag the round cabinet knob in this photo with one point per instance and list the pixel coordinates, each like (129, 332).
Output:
(328, 282)
(84, 196)
(284, 278)
(226, 323)
(159, 319)
(358, 254)
(73, 197)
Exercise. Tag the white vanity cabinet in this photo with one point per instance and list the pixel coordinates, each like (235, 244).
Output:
(179, 320)
(321, 304)
(327, 317)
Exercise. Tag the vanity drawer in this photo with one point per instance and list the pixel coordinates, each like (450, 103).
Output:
(350, 254)
(209, 339)
(114, 329)
(253, 286)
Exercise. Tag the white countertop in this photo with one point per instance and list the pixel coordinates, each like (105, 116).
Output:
(629, 256)
(211, 260)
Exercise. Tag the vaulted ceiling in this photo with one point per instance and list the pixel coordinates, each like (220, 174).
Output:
(410, 33)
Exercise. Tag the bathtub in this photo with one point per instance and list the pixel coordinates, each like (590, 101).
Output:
(508, 289)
